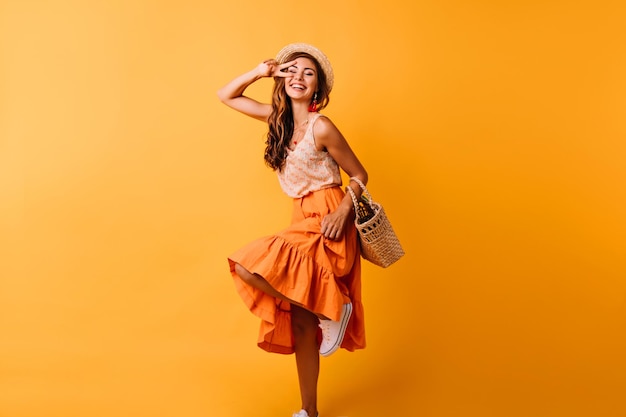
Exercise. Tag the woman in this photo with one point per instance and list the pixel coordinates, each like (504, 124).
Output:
(308, 276)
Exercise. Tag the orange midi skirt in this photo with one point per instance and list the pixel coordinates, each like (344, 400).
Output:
(303, 265)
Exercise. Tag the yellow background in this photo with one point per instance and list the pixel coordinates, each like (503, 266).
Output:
(494, 134)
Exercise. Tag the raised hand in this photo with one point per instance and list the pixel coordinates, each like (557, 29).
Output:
(270, 68)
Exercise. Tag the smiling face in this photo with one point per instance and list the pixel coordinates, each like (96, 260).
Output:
(302, 82)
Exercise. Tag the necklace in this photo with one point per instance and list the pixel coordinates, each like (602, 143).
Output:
(306, 122)
(298, 133)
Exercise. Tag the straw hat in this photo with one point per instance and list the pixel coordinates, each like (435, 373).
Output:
(319, 56)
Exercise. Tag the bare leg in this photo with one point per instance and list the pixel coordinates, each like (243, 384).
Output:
(259, 283)
(304, 325)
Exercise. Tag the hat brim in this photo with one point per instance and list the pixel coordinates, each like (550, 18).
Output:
(319, 56)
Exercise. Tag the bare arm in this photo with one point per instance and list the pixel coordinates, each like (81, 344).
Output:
(329, 137)
(232, 93)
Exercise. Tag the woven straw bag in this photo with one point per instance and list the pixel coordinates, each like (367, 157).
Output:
(379, 243)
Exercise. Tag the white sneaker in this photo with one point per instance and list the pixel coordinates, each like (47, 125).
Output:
(303, 413)
(333, 331)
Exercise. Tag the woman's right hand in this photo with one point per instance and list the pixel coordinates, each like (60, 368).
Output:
(270, 68)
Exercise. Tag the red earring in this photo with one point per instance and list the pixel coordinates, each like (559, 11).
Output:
(313, 105)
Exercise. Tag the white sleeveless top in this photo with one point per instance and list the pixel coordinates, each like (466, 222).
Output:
(306, 169)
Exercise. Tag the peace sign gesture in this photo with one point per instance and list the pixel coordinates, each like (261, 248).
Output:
(270, 68)
(232, 94)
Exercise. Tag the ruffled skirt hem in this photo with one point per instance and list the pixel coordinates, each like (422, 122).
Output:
(317, 273)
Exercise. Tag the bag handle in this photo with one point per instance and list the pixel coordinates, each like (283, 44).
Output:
(367, 193)
(370, 201)
(354, 201)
